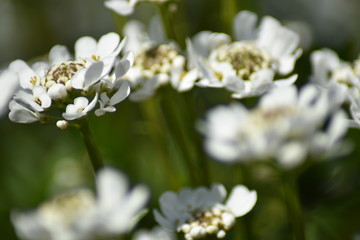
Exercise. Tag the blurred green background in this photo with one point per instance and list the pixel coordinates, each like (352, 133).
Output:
(38, 161)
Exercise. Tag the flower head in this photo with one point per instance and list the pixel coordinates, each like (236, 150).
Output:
(200, 212)
(249, 65)
(286, 125)
(69, 84)
(157, 61)
(80, 214)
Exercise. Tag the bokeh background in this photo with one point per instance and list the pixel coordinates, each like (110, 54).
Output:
(38, 161)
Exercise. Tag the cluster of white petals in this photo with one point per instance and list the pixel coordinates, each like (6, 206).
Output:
(157, 61)
(328, 70)
(287, 125)
(80, 215)
(71, 85)
(201, 212)
(248, 66)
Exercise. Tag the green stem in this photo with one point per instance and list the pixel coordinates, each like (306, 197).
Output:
(91, 147)
(173, 114)
(151, 110)
(166, 20)
(293, 205)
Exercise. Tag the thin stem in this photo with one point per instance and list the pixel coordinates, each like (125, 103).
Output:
(91, 147)
(151, 110)
(293, 205)
(180, 135)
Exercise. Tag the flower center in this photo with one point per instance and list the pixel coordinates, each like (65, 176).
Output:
(62, 73)
(212, 222)
(245, 59)
(157, 59)
(66, 208)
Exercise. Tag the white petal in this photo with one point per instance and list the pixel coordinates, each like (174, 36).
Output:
(292, 154)
(92, 104)
(287, 63)
(93, 74)
(244, 26)
(286, 82)
(121, 7)
(59, 54)
(337, 127)
(121, 94)
(204, 42)
(111, 186)
(156, 30)
(21, 114)
(223, 151)
(25, 73)
(28, 226)
(81, 102)
(218, 192)
(78, 80)
(241, 200)
(40, 68)
(45, 100)
(122, 67)
(57, 91)
(107, 44)
(85, 47)
(234, 83)
(9, 83)
(163, 221)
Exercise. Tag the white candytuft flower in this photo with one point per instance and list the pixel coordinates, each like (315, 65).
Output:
(287, 126)
(250, 65)
(157, 233)
(200, 212)
(69, 84)
(157, 61)
(80, 215)
(328, 70)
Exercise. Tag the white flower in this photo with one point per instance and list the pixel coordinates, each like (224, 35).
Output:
(80, 108)
(328, 69)
(79, 215)
(64, 80)
(200, 212)
(157, 62)
(157, 233)
(249, 65)
(286, 126)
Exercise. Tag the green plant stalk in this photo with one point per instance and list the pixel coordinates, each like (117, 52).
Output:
(293, 204)
(91, 147)
(151, 111)
(175, 123)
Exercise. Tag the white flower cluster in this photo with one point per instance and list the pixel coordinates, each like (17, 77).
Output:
(330, 71)
(70, 86)
(249, 65)
(157, 61)
(200, 212)
(79, 215)
(286, 126)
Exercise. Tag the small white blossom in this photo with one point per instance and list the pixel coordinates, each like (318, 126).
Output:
(328, 70)
(200, 212)
(286, 126)
(79, 215)
(249, 65)
(80, 108)
(157, 61)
